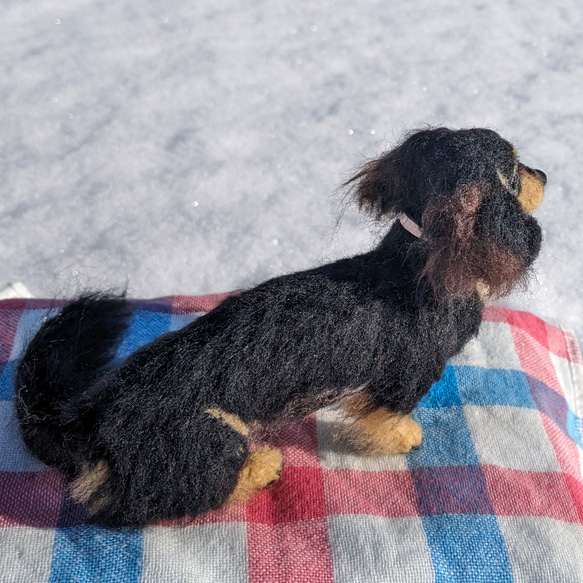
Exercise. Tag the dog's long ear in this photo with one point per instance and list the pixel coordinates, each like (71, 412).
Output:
(399, 181)
(378, 186)
(479, 236)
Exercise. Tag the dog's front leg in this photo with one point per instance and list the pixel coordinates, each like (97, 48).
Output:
(376, 430)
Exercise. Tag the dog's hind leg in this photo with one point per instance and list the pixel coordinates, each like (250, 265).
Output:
(205, 467)
(261, 467)
(378, 431)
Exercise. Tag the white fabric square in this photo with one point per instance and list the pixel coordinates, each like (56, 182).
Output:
(543, 550)
(511, 437)
(204, 553)
(14, 456)
(492, 348)
(372, 548)
(26, 554)
(570, 376)
(336, 454)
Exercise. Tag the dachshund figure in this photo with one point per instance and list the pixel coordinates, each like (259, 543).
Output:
(165, 432)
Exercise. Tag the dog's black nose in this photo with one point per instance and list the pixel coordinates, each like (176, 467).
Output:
(541, 175)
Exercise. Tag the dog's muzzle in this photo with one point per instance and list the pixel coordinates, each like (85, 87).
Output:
(533, 188)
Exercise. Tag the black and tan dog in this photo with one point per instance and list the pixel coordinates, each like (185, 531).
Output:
(165, 432)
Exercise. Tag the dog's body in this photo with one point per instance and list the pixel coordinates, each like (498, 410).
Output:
(165, 432)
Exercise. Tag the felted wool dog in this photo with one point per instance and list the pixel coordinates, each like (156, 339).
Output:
(165, 432)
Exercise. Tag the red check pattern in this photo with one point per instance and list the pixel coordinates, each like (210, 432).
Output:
(497, 480)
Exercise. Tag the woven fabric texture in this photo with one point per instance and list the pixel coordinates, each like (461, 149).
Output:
(494, 494)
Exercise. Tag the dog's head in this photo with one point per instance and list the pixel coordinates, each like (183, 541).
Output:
(471, 197)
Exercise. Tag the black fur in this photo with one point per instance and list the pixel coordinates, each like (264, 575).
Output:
(386, 320)
(68, 354)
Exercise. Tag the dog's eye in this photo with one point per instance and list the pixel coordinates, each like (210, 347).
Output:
(514, 182)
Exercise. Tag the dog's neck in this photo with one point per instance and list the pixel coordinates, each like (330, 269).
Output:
(412, 227)
(410, 259)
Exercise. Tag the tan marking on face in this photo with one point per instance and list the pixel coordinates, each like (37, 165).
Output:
(84, 488)
(503, 180)
(532, 192)
(506, 181)
(231, 420)
(378, 431)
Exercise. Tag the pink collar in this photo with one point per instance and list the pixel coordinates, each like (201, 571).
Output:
(410, 225)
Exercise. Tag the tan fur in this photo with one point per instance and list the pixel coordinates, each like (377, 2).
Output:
(88, 482)
(232, 420)
(484, 291)
(378, 431)
(261, 468)
(358, 406)
(84, 488)
(98, 503)
(532, 192)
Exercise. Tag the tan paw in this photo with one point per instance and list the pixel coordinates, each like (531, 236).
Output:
(384, 433)
(406, 434)
(261, 468)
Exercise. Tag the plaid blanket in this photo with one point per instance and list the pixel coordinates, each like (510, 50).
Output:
(494, 494)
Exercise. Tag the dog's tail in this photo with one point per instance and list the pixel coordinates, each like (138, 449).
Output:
(68, 354)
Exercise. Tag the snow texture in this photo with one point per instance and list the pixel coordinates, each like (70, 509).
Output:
(194, 147)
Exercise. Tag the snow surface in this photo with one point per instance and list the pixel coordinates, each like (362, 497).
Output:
(193, 147)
